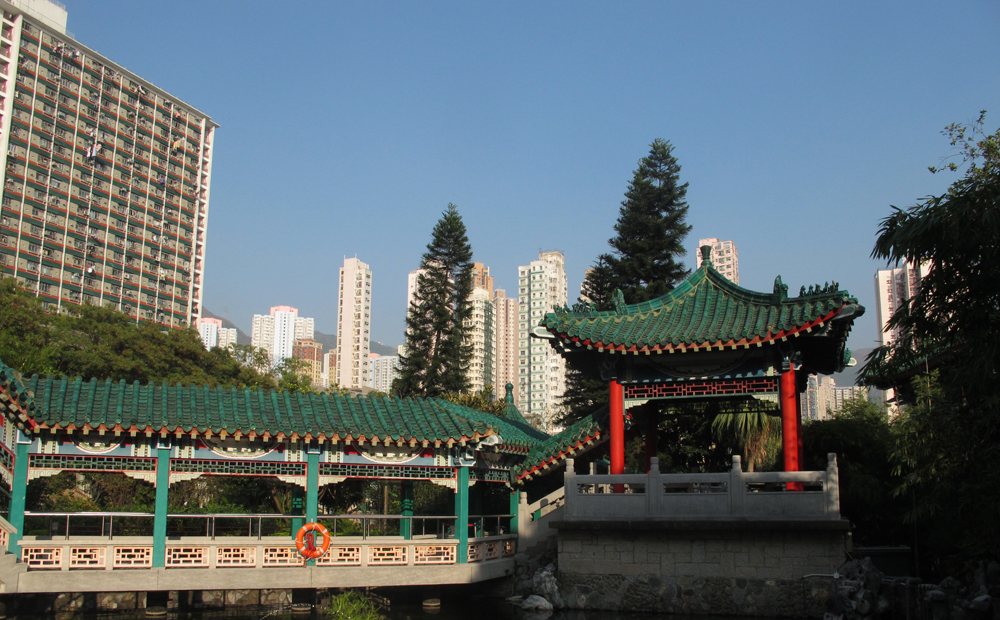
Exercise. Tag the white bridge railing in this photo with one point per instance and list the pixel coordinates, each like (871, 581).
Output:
(732, 495)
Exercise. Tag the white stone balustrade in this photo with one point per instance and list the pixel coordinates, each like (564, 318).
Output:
(98, 553)
(733, 495)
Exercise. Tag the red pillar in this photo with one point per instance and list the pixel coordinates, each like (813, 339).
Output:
(787, 395)
(651, 427)
(616, 427)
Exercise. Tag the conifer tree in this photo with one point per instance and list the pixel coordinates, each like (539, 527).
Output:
(643, 263)
(437, 350)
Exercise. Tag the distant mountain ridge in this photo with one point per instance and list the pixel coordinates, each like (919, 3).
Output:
(329, 341)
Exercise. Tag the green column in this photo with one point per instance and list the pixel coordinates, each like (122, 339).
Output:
(406, 509)
(312, 493)
(160, 516)
(462, 512)
(312, 487)
(515, 502)
(18, 490)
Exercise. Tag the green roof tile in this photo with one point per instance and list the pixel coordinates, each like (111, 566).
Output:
(706, 309)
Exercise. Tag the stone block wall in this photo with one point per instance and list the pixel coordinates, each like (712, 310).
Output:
(719, 570)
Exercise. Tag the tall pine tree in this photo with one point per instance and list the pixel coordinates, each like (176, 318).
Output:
(437, 350)
(643, 262)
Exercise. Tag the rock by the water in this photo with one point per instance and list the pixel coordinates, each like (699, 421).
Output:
(536, 603)
(981, 603)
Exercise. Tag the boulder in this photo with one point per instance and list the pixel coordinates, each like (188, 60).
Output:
(536, 603)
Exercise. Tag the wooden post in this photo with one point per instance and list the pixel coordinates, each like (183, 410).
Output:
(406, 506)
(616, 428)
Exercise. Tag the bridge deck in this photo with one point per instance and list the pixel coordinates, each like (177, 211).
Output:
(100, 564)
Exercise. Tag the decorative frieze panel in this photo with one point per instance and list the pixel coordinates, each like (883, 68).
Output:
(282, 556)
(418, 472)
(475, 552)
(340, 556)
(492, 550)
(293, 473)
(378, 556)
(42, 558)
(88, 557)
(40, 465)
(235, 556)
(434, 554)
(710, 387)
(186, 557)
(133, 557)
(489, 475)
(6, 466)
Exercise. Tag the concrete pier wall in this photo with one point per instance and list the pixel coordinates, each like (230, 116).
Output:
(733, 568)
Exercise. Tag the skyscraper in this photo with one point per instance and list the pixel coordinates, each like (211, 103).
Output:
(481, 277)
(354, 309)
(506, 336)
(481, 335)
(213, 334)
(893, 287)
(105, 176)
(541, 371)
(725, 259)
(276, 332)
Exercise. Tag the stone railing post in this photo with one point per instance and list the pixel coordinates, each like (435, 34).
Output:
(737, 488)
(523, 516)
(654, 488)
(832, 487)
(569, 489)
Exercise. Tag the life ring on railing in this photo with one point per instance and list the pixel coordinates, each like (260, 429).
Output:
(305, 541)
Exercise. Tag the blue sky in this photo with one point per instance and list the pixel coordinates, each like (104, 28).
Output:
(346, 128)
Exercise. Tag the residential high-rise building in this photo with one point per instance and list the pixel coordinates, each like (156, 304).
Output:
(481, 335)
(411, 288)
(894, 287)
(541, 371)
(276, 332)
(310, 352)
(354, 309)
(329, 367)
(725, 259)
(213, 334)
(506, 336)
(106, 177)
(481, 277)
(823, 398)
(385, 369)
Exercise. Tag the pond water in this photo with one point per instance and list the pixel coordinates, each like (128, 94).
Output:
(456, 609)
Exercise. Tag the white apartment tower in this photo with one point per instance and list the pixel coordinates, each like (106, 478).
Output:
(506, 336)
(481, 335)
(725, 259)
(541, 371)
(893, 287)
(277, 332)
(213, 334)
(354, 310)
(105, 176)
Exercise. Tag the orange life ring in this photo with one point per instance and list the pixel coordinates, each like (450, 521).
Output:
(305, 541)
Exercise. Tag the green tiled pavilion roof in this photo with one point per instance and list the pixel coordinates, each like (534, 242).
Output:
(75, 404)
(562, 444)
(706, 310)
